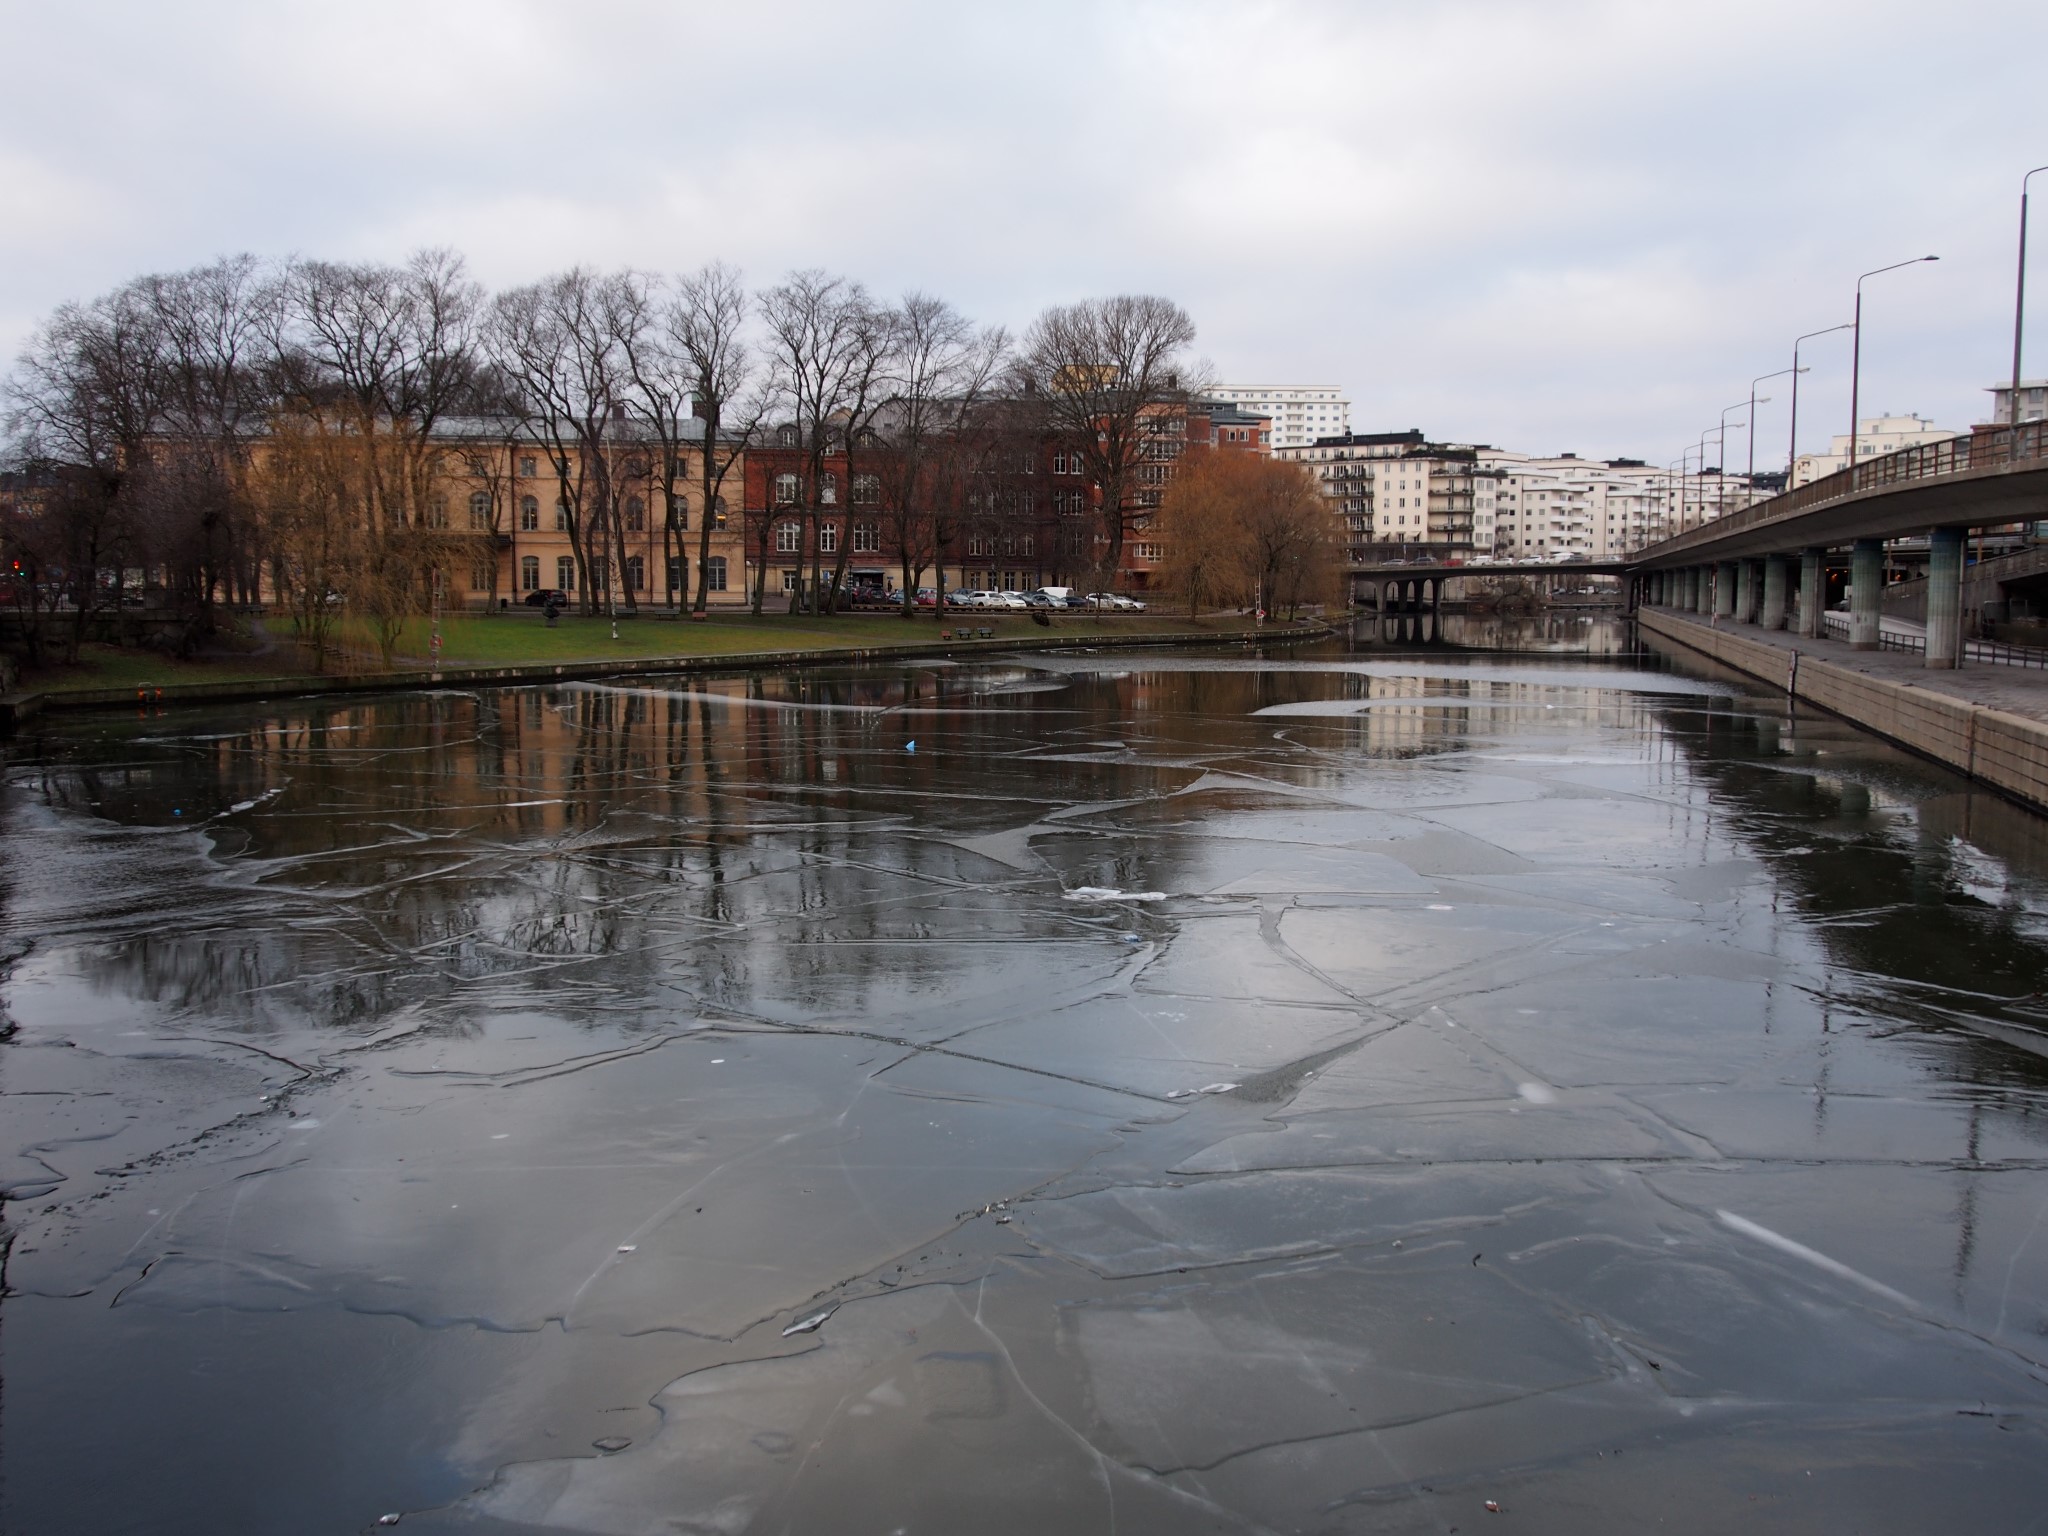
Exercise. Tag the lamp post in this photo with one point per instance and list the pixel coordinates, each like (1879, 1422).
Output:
(2019, 308)
(1856, 352)
(1792, 453)
(1721, 461)
(1753, 404)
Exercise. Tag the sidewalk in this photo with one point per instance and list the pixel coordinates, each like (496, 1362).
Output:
(2016, 690)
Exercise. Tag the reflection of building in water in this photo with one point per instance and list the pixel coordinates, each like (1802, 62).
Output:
(1423, 714)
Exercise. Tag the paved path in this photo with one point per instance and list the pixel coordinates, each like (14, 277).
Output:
(2017, 690)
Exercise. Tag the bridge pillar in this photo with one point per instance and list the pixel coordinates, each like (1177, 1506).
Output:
(1866, 593)
(1813, 590)
(1745, 592)
(1702, 589)
(1945, 597)
(1724, 590)
(1776, 569)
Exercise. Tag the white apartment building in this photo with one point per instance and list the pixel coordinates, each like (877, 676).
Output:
(1402, 497)
(1568, 508)
(1875, 437)
(2033, 402)
(1299, 415)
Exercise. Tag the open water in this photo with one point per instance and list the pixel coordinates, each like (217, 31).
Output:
(1350, 1090)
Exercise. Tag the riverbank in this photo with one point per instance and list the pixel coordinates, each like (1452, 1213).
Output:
(1988, 722)
(583, 649)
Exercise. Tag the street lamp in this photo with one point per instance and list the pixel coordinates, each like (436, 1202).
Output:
(1753, 404)
(1856, 351)
(1792, 453)
(1721, 461)
(2019, 307)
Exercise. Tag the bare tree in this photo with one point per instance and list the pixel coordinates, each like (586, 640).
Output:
(820, 348)
(557, 344)
(707, 323)
(1113, 376)
(86, 401)
(944, 372)
(382, 355)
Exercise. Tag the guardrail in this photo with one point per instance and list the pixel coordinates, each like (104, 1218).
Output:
(1998, 448)
(1836, 626)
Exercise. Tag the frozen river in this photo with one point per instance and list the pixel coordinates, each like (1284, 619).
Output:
(1069, 1094)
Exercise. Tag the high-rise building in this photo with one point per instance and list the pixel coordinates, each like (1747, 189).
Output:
(1299, 415)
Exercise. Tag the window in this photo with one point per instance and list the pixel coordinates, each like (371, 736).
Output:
(867, 490)
(600, 575)
(565, 573)
(529, 514)
(636, 515)
(828, 539)
(718, 511)
(479, 511)
(867, 538)
(788, 437)
(789, 538)
(789, 581)
(561, 514)
(978, 546)
(480, 572)
(529, 573)
(437, 511)
(636, 573)
(714, 574)
(785, 490)
(866, 438)
(681, 503)
(528, 468)
(828, 490)
(675, 576)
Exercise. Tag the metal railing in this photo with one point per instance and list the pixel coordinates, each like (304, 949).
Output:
(1999, 448)
(1836, 627)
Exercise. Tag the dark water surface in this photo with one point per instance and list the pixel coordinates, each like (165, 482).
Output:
(1195, 1093)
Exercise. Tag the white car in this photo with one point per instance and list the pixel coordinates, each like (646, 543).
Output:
(1008, 600)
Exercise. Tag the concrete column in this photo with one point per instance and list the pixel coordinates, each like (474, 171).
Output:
(1776, 569)
(1745, 592)
(1702, 589)
(1945, 597)
(1724, 590)
(1813, 590)
(1866, 591)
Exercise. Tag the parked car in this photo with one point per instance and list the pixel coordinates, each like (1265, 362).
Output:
(1040, 600)
(960, 600)
(545, 597)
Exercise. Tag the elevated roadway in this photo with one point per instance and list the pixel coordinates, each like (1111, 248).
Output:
(1768, 564)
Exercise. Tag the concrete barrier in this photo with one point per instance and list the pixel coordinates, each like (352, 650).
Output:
(2006, 751)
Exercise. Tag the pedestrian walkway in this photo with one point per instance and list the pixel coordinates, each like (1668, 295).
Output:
(2016, 689)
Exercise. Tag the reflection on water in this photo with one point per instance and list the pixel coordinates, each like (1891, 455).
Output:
(1598, 632)
(1319, 1093)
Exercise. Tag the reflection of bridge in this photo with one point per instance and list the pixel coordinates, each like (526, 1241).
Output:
(1769, 564)
(1419, 585)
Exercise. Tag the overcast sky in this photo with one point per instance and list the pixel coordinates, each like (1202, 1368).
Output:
(1550, 225)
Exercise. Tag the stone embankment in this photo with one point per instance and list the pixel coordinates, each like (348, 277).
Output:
(1990, 722)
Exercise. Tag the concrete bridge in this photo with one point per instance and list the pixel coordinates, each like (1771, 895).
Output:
(1768, 564)
(1418, 585)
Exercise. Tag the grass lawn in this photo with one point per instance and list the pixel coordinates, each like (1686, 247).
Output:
(112, 666)
(514, 639)
(524, 639)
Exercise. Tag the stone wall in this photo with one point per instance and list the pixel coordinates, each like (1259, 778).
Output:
(2007, 751)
